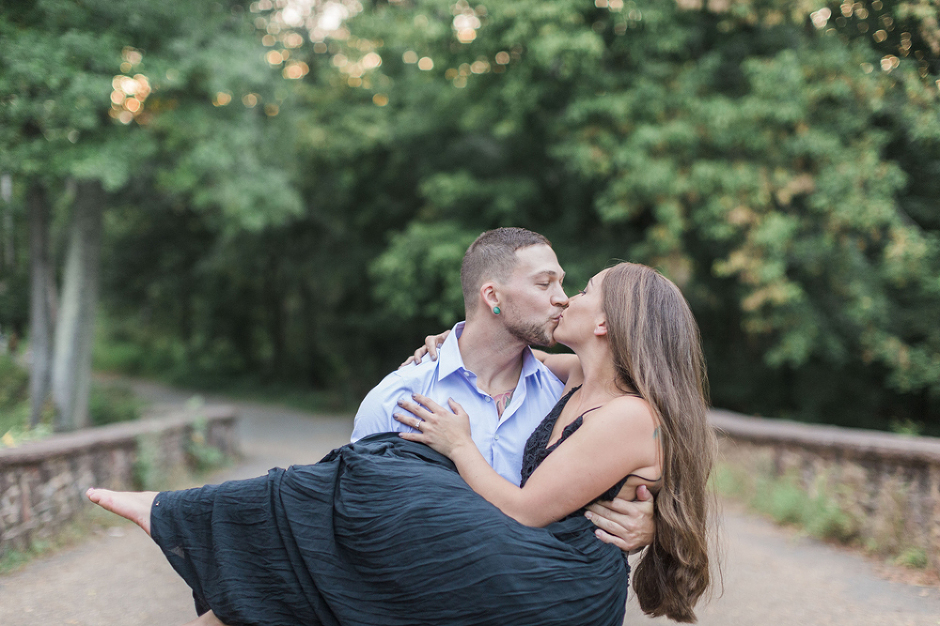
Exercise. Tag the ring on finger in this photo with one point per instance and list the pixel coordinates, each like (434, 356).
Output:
(417, 424)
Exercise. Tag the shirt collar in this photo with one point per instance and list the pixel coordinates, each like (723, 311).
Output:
(450, 360)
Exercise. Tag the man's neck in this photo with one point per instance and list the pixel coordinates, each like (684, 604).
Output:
(493, 355)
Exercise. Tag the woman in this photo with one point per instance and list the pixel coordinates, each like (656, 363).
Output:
(390, 531)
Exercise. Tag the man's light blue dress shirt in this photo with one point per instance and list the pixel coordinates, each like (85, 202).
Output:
(501, 440)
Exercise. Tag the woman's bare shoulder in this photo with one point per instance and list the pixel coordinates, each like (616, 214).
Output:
(629, 414)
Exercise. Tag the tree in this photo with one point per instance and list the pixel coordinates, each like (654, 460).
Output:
(752, 154)
(58, 62)
(776, 160)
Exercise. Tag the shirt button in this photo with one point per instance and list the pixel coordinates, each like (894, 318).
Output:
(489, 399)
(496, 438)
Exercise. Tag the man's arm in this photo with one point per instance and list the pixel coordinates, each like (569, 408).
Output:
(627, 525)
(375, 412)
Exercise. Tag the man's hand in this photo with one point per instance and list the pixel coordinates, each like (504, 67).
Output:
(627, 525)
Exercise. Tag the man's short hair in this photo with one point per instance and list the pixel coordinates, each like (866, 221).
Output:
(493, 257)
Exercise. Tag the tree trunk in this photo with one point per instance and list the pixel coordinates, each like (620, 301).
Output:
(40, 306)
(75, 327)
(6, 194)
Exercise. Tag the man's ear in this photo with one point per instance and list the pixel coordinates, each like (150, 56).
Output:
(600, 329)
(489, 295)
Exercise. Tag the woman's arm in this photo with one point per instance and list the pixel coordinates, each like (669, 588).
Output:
(616, 440)
(564, 366)
(431, 344)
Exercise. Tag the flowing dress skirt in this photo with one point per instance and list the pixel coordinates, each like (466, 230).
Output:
(383, 532)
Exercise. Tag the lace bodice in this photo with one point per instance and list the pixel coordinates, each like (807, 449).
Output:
(537, 448)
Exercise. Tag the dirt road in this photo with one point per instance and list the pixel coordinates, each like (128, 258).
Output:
(771, 576)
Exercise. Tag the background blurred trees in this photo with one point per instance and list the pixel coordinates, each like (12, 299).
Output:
(62, 137)
(294, 205)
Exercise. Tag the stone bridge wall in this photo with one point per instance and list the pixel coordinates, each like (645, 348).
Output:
(42, 483)
(887, 484)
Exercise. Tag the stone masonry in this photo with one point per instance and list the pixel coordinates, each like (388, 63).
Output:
(42, 483)
(888, 485)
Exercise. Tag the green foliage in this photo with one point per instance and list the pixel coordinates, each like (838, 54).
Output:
(426, 255)
(14, 406)
(146, 471)
(109, 403)
(915, 558)
(907, 427)
(112, 403)
(785, 501)
(14, 383)
(825, 519)
(203, 456)
(778, 163)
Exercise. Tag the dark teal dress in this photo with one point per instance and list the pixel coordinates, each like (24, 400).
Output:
(384, 532)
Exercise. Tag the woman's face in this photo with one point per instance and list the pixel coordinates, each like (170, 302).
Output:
(585, 311)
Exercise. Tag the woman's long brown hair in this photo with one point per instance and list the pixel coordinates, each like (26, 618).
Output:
(655, 344)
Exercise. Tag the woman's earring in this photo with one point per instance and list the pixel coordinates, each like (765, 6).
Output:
(495, 310)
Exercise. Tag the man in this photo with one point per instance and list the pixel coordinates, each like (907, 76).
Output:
(513, 298)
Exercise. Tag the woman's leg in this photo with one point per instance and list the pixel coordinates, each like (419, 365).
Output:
(133, 505)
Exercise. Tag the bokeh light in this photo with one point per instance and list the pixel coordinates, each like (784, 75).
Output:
(129, 92)
(295, 70)
(821, 17)
(467, 20)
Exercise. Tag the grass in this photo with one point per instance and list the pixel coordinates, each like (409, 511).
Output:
(914, 558)
(787, 502)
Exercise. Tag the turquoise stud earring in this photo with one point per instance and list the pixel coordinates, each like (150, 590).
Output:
(495, 310)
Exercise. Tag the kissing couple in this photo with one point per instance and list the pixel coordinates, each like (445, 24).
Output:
(465, 496)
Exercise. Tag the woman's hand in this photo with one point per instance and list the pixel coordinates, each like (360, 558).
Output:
(431, 344)
(443, 430)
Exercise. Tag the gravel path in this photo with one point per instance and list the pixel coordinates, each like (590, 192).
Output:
(771, 576)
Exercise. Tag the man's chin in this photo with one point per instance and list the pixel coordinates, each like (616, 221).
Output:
(533, 336)
(544, 343)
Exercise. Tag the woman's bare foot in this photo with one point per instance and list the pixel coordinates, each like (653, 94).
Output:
(133, 505)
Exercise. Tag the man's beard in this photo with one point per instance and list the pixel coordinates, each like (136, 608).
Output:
(532, 334)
